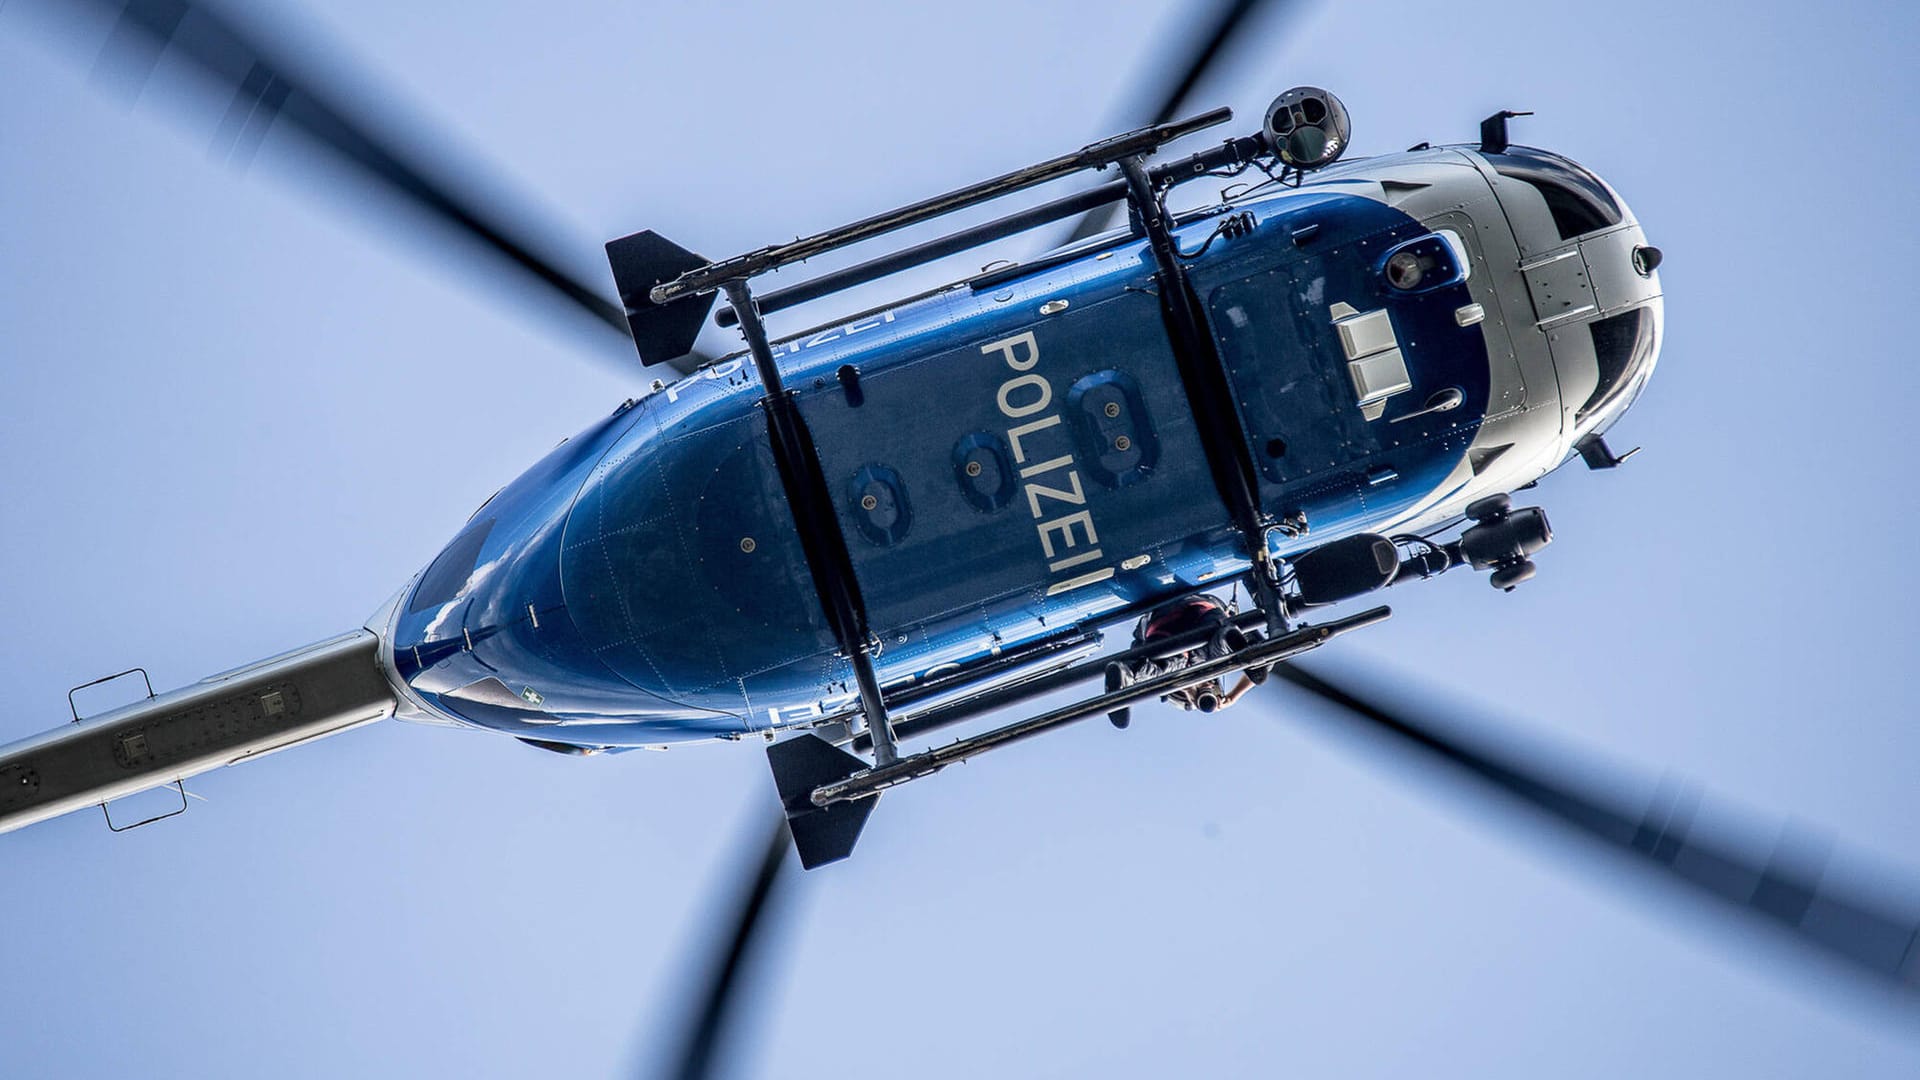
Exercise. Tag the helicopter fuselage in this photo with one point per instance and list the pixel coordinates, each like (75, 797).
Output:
(1016, 457)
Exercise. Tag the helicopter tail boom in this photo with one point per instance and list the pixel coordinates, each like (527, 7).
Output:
(309, 693)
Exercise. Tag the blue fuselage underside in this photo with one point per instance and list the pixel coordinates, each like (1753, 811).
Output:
(1001, 474)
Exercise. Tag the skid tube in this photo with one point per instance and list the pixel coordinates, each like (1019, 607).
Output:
(870, 782)
(1047, 681)
(710, 276)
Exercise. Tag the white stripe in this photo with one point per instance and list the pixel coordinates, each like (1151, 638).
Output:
(1101, 574)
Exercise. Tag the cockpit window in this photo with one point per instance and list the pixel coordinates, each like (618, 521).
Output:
(1622, 344)
(449, 573)
(1578, 201)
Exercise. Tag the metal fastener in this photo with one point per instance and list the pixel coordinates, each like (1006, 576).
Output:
(1122, 443)
(747, 545)
(973, 468)
(1113, 408)
(868, 502)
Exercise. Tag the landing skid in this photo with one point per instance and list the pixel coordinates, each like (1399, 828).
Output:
(828, 792)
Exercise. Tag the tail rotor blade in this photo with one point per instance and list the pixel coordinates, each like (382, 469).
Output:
(1874, 937)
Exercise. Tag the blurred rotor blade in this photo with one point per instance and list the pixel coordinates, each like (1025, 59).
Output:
(266, 90)
(697, 1056)
(1185, 69)
(1878, 938)
(1205, 50)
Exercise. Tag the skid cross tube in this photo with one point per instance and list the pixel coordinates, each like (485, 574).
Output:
(1094, 156)
(821, 540)
(1203, 374)
(871, 782)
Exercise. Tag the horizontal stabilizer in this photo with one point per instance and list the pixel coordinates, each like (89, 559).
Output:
(800, 765)
(664, 334)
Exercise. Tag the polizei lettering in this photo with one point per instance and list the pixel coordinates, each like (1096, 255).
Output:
(725, 371)
(1042, 447)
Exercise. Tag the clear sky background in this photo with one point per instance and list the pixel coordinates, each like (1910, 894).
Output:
(237, 418)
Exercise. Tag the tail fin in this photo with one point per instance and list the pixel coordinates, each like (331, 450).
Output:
(664, 334)
(800, 765)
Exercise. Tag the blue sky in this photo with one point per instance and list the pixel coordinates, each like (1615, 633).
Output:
(238, 418)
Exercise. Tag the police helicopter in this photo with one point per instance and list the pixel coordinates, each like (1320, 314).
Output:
(884, 526)
(1330, 380)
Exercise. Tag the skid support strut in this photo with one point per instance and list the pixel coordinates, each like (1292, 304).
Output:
(1204, 377)
(821, 541)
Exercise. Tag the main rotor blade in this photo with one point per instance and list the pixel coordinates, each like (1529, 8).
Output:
(1878, 938)
(267, 89)
(1184, 71)
(696, 1058)
(1205, 50)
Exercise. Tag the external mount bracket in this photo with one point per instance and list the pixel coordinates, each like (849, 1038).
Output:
(179, 786)
(74, 706)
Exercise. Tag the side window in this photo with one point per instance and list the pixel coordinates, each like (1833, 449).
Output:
(1578, 201)
(1619, 343)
